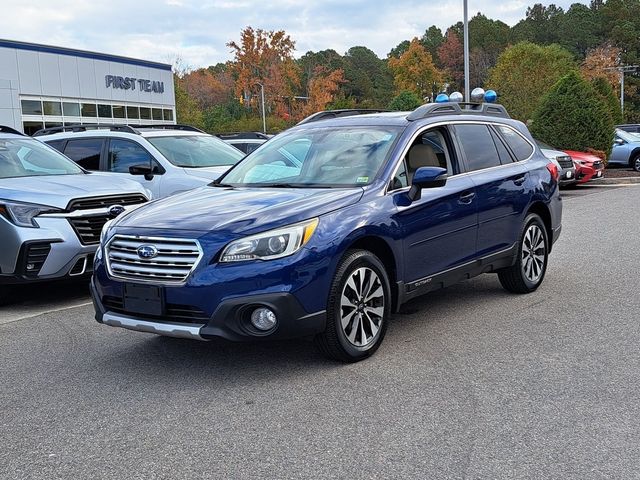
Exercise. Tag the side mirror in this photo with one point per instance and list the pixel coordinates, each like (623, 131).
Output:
(142, 169)
(427, 177)
(619, 141)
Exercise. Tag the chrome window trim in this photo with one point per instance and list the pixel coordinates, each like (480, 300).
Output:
(456, 122)
(144, 239)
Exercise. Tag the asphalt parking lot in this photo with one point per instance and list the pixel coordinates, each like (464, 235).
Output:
(470, 382)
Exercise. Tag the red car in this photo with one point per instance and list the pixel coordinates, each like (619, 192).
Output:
(588, 166)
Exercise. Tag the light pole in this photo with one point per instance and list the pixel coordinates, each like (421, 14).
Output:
(466, 52)
(622, 69)
(264, 118)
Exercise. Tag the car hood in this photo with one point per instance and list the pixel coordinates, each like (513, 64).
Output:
(582, 156)
(209, 173)
(58, 190)
(238, 210)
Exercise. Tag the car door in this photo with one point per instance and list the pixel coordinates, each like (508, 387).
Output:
(500, 182)
(620, 151)
(122, 154)
(439, 228)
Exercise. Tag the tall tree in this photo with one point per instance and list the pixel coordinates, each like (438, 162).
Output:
(265, 57)
(431, 40)
(451, 57)
(602, 62)
(322, 89)
(525, 72)
(414, 71)
(369, 80)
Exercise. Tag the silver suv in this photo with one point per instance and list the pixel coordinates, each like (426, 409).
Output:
(52, 211)
(166, 159)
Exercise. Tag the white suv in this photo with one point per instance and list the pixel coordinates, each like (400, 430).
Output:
(165, 159)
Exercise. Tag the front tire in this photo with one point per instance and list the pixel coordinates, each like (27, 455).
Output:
(527, 273)
(635, 163)
(358, 308)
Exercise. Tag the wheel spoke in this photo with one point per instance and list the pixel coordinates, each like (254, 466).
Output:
(347, 319)
(377, 293)
(373, 327)
(377, 311)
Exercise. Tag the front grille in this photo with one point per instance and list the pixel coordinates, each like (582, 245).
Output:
(173, 312)
(35, 255)
(597, 165)
(565, 162)
(104, 202)
(173, 262)
(88, 228)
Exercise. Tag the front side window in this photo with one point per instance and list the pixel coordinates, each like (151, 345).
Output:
(478, 146)
(196, 151)
(430, 149)
(26, 158)
(85, 152)
(124, 154)
(317, 157)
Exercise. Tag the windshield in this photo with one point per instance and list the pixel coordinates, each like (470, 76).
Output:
(344, 157)
(26, 158)
(628, 136)
(196, 151)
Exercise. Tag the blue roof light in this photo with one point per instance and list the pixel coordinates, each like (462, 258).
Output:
(442, 98)
(490, 96)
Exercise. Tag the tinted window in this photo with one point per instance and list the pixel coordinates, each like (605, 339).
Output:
(52, 108)
(104, 111)
(132, 112)
(145, 113)
(85, 152)
(519, 146)
(31, 107)
(31, 127)
(503, 153)
(168, 115)
(478, 146)
(89, 110)
(124, 154)
(118, 111)
(71, 109)
(157, 113)
(400, 178)
(57, 144)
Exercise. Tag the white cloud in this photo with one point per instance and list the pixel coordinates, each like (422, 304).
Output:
(198, 31)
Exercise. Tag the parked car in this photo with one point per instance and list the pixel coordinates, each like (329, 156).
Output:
(246, 142)
(630, 127)
(166, 159)
(563, 161)
(626, 150)
(588, 166)
(333, 225)
(52, 212)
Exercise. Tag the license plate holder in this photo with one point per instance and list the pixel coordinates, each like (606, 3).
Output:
(143, 299)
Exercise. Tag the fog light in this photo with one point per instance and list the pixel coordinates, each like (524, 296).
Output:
(263, 319)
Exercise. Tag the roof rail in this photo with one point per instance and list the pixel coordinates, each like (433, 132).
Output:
(347, 112)
(243, 135)
(458, 108)
(171, 126)
(5, 129)
(87, 126)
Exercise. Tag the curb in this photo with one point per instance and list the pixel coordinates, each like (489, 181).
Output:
(615, 181)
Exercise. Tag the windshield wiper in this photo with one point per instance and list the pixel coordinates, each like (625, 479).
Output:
(218, 183)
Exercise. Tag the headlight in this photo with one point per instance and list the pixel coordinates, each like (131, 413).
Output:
(23, 214)
(270, 245)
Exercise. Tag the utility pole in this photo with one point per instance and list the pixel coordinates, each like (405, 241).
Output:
(467, 97)
(622, 69)
(264, 117)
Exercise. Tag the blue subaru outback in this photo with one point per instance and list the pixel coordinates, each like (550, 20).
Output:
(331, 226)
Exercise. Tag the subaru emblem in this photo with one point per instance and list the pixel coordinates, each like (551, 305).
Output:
(147, 251)
(115, 210)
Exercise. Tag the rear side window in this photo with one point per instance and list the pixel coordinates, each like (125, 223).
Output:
(57, 144)
(85, 152)
(503, 153)
(479, 148)
(518, 145)
(124, 154)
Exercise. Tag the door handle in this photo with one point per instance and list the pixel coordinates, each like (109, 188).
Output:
(467, 197)
(520, 180)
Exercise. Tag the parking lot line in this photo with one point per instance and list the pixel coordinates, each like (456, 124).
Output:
(31, 313)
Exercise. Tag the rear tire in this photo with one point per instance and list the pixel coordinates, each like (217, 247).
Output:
(635, 163)
(358, 308)
(526, 275)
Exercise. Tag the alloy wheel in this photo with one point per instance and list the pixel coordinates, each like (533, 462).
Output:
(362, 306)
(533, 253)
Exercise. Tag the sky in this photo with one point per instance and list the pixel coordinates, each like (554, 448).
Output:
(197, 31)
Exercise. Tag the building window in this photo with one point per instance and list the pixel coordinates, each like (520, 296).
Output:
(168, 114)
(52, 108)
(52, 124)
(71, 109)
(157, 113)
(89, 110)
(31, 127)
(132, 113)
(145, 113)
(31, 107)
(104, 111)
(118, 111)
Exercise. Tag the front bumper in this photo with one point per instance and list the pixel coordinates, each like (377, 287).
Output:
(60, 254)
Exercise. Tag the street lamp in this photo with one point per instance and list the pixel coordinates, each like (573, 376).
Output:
(466, 52)
(264, 118)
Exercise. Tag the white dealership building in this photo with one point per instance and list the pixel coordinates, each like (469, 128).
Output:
(46, 86)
